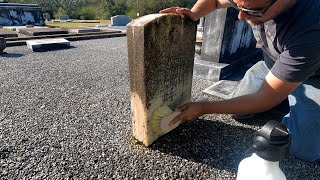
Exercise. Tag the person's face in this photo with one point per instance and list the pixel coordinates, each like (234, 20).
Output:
(257, 12)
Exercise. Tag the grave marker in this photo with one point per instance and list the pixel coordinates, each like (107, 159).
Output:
(47, 44)
(7, 34)
(14, 14)
(83, 30)
(120, 20)
(161, 50)
(42, 31)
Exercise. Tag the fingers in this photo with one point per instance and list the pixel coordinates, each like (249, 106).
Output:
(169, 10)
(177, 10)
(182, 108)
(176, 119)
(181, 117)
(186, 12)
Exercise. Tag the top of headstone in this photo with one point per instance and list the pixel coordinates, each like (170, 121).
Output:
(145, 19)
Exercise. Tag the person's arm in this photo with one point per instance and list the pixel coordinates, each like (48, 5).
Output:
(200, 9)
(272, 92)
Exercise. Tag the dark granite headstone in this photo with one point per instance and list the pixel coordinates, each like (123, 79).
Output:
(12, 14)
(161, 58)
(2, 45)
(42, 31)
(228, 46)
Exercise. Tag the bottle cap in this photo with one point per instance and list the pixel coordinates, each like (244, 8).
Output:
(272, 141)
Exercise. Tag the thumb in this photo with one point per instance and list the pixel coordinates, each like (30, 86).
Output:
(182, 108)
(176, 119)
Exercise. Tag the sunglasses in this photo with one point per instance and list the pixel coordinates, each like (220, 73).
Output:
(250, 12)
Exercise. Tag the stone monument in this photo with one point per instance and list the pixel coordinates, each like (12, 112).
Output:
(13, 14)
(228, 46)
(120, 20)
(161, 50)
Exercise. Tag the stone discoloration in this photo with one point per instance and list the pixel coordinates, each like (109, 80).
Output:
(161, 51)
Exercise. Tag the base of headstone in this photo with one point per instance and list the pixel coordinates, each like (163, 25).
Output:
(221, 88)
(214, 71)
(42, 31)
(7, 34)
(16, 28)
(48, 44)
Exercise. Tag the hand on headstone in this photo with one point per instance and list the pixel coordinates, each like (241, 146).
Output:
(183, 11)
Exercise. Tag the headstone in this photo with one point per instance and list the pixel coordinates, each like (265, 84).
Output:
(7, 34)
(120, 20)
(12, 14)
(228, 45)
(42, 31)
(161, 58)
(47, 44)
(83, 30)
(2, 45)
(64, 17)
(47, 16)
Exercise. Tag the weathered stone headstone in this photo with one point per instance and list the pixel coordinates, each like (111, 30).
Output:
(12, 14)
(161, 50)
(47, 44)
(120, 20)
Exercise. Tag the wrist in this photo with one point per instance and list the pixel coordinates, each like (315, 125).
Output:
(205, 108)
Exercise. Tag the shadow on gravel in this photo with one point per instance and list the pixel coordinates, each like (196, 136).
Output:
(11, 55)
(216, 144)
(53, 48)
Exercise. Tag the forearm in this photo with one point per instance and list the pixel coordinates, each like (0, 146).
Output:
(247, 104)
(204, 7)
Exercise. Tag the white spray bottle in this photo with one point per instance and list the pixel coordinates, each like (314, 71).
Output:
(271, 144)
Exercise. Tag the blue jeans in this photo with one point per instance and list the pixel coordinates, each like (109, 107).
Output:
(303, 120)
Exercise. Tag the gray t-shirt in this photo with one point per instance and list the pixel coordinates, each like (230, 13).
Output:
(291, 42)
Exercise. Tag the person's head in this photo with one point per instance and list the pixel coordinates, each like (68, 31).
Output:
(260, 11)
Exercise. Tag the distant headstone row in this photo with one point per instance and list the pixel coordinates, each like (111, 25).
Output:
(12, 14)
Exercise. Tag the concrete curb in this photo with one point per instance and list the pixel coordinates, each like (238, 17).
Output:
(71, 37)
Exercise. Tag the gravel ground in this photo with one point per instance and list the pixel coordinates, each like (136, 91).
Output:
(65, 114)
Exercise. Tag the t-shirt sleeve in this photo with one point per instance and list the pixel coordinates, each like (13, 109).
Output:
(300, 58)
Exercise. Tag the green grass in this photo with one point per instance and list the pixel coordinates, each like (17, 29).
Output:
(76, 24)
